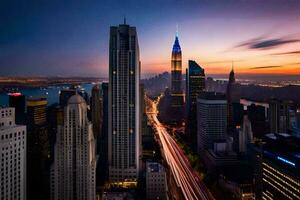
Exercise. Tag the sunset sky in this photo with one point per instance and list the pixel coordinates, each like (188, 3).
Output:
(70, 38)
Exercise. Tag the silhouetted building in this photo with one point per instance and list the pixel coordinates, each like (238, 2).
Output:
(96, 108)
(229, 94)
(38, 150)
(12, 157)
(17, 101)
(54, 118)
(74, 167)
(195, 83)
(64, 96)
(102, 140)
(211, 119)
(124, 104)
(279, 118)
(257, 113)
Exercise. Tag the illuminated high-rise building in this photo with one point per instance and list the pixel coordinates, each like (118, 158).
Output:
(124, 104)
(74, 167)
(176, 76)
(280, 167)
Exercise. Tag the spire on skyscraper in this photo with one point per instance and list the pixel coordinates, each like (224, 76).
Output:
(231, 75)
(176, 45)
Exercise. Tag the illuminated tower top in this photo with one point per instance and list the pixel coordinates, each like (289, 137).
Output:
(176, 45)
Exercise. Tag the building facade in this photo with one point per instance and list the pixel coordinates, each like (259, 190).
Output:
(12, 157)
(195, 83)
(74, 167)
(211, 119)
(280, 167)
(124, 104)
(156, 181)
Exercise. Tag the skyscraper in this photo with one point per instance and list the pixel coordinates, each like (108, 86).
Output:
(124, 104)
(195, 83)
(211, 119)
(74, 167)
(280, 166)
(176, 76)
(12, 156)
(96, 108)
(38, 148)
(230, 121)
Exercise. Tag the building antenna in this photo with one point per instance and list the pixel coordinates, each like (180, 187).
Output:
(177, 30)
(232, 65)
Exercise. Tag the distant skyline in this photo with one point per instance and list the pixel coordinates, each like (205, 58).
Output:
(70, 38)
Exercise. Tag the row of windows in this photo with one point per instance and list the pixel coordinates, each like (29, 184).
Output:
(10, 135)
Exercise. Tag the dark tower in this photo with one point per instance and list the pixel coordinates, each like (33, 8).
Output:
(17, 100)
(230, 122)
(96, 108)
(195, 84)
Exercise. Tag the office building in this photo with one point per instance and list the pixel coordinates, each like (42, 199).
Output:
(17, 101)
(156, 181)
(280, 167)
(195, 83)
(124, 104)
(211, 119)
(176, 76)
(73, 170)
(12, 157)
(38, 149)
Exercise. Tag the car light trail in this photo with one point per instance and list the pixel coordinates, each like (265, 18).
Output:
(184, 175)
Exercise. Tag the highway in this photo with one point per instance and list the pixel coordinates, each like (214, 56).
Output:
(185, 177)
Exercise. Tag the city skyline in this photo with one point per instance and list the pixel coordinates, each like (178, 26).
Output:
(58, 38)
(98, 101)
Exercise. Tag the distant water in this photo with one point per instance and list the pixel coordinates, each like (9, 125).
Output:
(51, 92)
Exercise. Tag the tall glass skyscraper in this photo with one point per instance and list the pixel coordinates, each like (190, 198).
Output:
(124, 104)
(176, 76)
